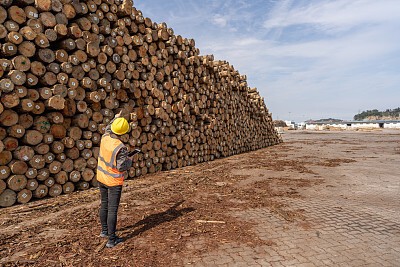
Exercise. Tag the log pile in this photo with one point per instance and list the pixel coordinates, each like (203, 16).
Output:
(67, 66)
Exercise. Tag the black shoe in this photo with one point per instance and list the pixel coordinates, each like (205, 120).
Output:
(117, 241)
(103, 234)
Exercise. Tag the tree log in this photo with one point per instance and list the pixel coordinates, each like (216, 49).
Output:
(8, 198)
(41, 191)
(17, 182)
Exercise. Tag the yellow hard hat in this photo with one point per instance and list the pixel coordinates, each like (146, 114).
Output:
(120, 126)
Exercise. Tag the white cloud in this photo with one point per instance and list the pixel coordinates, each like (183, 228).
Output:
(334, 16)
(220, 20)
(248, 42)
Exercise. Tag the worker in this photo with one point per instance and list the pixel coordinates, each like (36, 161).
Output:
(113, 162)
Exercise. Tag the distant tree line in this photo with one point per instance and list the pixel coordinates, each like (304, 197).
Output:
(388, 113)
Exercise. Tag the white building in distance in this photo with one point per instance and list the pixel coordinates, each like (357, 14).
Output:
(348, 125)
(290, 124)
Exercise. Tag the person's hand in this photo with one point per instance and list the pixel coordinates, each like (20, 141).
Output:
(119, 114)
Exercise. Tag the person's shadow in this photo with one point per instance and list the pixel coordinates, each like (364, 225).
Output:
(155, 219)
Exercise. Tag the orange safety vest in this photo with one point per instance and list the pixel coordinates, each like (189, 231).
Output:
(107, 172)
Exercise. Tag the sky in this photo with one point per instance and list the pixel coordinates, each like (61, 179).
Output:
(309, 59)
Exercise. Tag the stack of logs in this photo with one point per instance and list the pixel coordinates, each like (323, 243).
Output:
(67, 67)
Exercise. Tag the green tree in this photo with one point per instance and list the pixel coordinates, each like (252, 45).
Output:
(389, 112)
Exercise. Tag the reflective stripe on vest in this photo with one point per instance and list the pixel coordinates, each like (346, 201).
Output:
(107, 172)
(108, 164)
(116, 175)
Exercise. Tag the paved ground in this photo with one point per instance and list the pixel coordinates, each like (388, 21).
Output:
(351, 219)
(319, 199)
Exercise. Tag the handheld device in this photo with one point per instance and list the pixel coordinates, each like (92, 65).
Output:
(134, 152)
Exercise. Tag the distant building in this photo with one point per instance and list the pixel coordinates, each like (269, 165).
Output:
(291, 124)
(348, 125)
(391, 124)
(301, 125)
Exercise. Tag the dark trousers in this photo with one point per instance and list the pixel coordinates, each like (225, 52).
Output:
(110, 197)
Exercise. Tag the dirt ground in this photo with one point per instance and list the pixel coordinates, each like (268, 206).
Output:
(161, 214)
